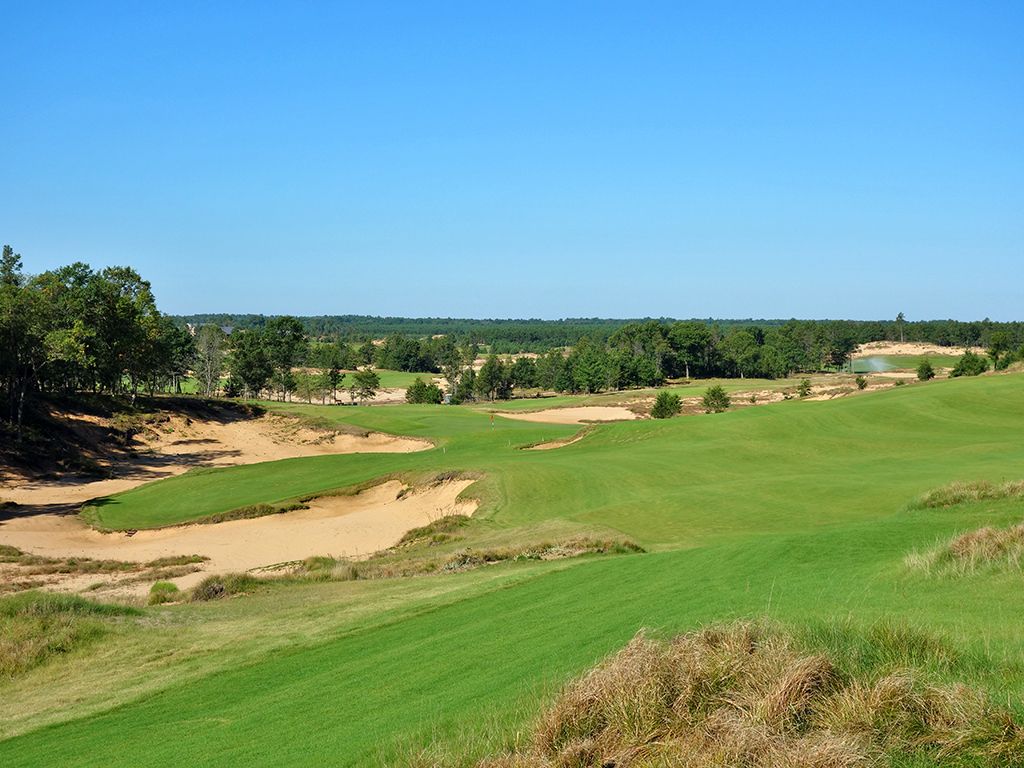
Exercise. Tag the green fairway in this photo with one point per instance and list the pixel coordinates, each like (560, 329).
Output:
(883, 363)
(797, 511)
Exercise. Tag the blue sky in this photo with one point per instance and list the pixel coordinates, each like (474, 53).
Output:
(523, 159)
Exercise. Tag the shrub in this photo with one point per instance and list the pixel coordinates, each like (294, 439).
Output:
(861, 382)
(421, 392)
(666, 405)
(164, 592)
(715, 400)
(226, 585)
(925, 372)
(970, 365)
(804, 388)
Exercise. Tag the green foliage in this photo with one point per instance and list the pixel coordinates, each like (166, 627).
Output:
(715, 400)
(970, 365)
(163, 592)
(421, 392)
(666, 405)
(365, 384)
(925, 371)
(804, 388)
(861, 382)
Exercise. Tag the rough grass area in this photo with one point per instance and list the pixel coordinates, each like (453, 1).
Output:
(36, 626)
(961, 493)
(22, 571)
(220, 586)
(390, 563)
(986, 548)
(249, 512)
(754, 696)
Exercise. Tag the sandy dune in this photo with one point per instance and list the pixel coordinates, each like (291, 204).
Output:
(907, 348)
(579, 415)
(343, 526)
(181, 444)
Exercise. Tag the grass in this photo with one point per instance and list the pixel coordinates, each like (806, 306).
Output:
(875, 363)
(37, 626)
(796, 511)
(745, 696)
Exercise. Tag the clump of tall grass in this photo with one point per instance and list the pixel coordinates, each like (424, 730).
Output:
(983, 549)
(224, 585)
(36, 626)
(163, 592)
(751, 696)
(961, 493)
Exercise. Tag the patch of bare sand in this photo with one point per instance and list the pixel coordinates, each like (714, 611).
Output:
(342, 526)
(180, 444)
(907, 348)
(579, 415)
(557, 443)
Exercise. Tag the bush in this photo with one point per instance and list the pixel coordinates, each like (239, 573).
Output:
(421, 392)
(226, 585)
(861, 382)
(666, 405)
(715, 400)
(925, 372)
(164, 592)
(804, 388)
(970, 365)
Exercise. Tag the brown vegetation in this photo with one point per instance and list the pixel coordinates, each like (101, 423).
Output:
(747, 696)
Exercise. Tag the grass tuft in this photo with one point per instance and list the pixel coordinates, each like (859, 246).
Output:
(164, 592)
(226, 585)
(961, 493)
(37, 626)
(747, 696)
(983, 549)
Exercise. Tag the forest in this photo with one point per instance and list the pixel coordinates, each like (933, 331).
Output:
(76, 329)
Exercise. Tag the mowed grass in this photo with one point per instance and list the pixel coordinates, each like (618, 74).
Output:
(796, 511)
(470, 673)
(664, 483)
(875, 363)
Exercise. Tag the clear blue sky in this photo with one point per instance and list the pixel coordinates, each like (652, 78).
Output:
(762, 159)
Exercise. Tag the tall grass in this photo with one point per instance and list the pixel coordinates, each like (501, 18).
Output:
(986, 548)
(961, 492)
(36, 626)
(753, 696)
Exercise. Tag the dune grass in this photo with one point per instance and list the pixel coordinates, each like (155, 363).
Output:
(798, 512)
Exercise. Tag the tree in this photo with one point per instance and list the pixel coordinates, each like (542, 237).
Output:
(804, 388)
(715, 400)
(969, 364)
(861, 382)
(492, 381)
(523, 373)
(209, 361)
(1000, 343)
(365, 384)
(900, 322)
(249, 366)
(925, 372)
(421, 392)
(285, 342)
(666, 405)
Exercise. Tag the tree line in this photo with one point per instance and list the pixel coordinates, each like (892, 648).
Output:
(76, 329)
(532, 335)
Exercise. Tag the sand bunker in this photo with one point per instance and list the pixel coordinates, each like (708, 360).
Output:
(342, 526)
(907, 348)
(181, 444)
(580, 415)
